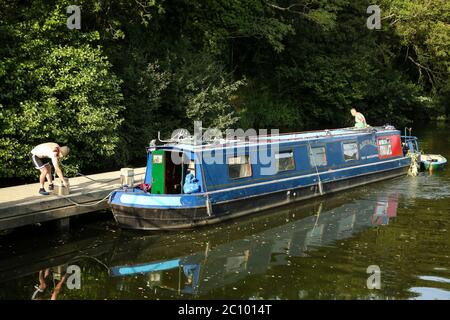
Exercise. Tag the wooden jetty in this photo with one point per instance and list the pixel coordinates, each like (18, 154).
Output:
(22, 205)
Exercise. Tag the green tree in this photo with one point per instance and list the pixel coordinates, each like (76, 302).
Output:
(423, 28)
(55, 85)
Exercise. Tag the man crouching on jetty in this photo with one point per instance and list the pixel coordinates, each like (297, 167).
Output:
(41, 155)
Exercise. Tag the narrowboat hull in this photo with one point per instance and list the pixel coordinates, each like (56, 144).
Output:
(198, 210)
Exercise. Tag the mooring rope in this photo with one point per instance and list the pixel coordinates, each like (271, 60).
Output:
(86, 204)
(68, 198)
(317, 170)
(78, 174)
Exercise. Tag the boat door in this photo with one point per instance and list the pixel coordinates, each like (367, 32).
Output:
(167, 176)
(158, 169)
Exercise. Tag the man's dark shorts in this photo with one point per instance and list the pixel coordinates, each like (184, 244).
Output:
(39, 163)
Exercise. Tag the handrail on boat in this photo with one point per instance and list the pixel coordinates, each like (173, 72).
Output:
(290, 136)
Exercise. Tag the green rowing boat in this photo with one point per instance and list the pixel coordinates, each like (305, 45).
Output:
(432, 161)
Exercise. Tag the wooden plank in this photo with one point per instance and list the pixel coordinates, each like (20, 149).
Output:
(22, 205)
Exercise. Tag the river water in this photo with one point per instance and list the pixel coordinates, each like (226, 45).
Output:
(329, 248)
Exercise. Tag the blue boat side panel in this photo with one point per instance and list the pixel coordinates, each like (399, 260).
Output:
(130, 199)
(334, 154)
(198, 171)
(146, 200)
(148, 171)
(303, 181)
(301, 157)
(216, 174)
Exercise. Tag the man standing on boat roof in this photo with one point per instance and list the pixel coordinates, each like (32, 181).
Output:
(360, 120)
(41, 156)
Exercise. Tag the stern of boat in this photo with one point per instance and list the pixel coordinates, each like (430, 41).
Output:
(136, 209)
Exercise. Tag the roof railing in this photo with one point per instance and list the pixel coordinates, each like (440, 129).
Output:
(183, 136)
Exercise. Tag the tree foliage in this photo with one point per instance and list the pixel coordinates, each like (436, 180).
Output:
(139, 67)
(53, 90)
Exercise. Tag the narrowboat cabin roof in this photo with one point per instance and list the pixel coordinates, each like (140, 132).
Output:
(187, 144)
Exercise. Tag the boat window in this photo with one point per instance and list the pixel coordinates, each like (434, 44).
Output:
(385, 147)
(239, 167)
(157, 158)
(350, 151)
(285, 161)
(318, 156)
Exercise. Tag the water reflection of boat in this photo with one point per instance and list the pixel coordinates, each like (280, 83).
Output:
(201, 263)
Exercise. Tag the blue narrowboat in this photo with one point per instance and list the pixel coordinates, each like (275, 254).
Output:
(191, 184)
